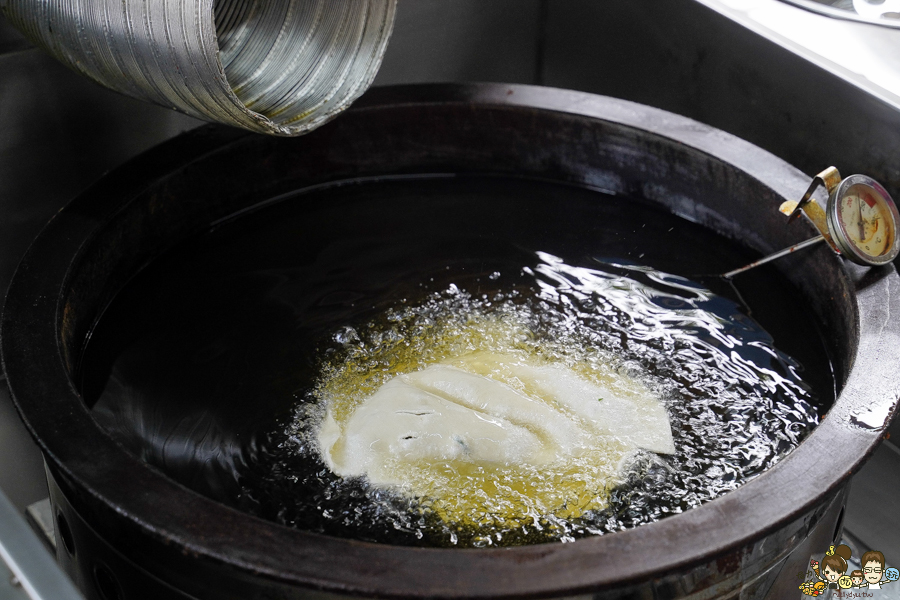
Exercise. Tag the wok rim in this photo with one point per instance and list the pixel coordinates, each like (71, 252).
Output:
(87, 459)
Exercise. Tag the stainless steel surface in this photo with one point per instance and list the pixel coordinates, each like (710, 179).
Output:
(10, 587)
(34, 569)
(872, 515)
(885, 13)
(40, 516)
(280, 68)
(860, 53)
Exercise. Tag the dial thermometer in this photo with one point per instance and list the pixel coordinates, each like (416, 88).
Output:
(859, 222)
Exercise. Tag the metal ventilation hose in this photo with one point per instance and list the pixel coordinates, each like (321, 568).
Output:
(280, 67)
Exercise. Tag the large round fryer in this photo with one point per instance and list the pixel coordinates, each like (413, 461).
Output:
(127, 531)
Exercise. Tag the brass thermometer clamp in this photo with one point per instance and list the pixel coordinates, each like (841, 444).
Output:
(860, 220)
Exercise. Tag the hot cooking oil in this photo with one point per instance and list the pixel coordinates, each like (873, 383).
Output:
(218, 363)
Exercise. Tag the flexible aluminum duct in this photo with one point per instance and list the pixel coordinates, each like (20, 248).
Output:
(281, 67)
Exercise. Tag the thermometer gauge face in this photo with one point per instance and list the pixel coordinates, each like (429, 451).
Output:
(863, 219)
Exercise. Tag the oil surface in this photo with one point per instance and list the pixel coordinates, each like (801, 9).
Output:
(211, 363)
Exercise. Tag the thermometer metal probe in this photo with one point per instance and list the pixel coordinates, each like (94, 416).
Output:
(859, 221)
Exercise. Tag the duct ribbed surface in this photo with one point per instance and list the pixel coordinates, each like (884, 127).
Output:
(280, 67)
